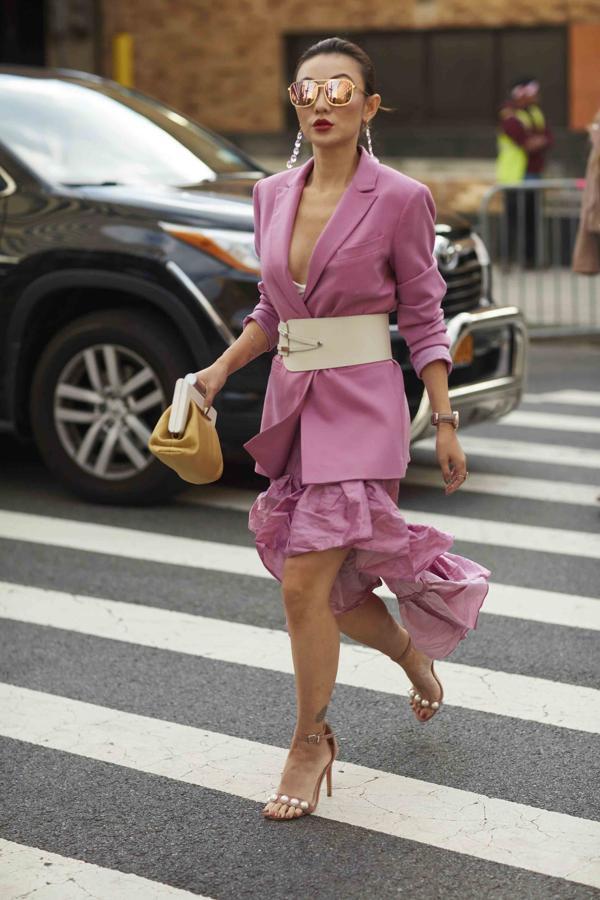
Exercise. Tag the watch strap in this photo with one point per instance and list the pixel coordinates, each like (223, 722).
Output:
(451, 417)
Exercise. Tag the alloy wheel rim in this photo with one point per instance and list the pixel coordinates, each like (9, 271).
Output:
(106, 403)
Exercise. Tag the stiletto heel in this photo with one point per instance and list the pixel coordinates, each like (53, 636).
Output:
(307, 807)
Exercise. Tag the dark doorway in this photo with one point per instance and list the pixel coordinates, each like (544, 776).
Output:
(22, 30)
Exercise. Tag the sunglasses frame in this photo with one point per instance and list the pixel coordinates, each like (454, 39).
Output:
(322, 82)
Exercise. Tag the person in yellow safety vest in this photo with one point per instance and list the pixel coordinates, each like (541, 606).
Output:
(523, 138)
(523, 134)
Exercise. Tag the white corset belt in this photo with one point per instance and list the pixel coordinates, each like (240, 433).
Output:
(334, 341)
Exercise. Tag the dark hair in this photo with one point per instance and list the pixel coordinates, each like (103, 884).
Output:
(341, 45)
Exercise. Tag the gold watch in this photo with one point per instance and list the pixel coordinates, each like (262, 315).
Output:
(452, 417)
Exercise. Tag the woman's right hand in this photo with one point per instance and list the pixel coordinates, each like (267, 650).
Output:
(209, 381)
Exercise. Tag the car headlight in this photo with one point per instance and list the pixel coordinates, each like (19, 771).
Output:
(234, 248)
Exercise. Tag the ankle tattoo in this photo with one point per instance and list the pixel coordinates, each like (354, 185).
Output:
(321, 714)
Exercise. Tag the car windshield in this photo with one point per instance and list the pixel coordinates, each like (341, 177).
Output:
(99, 133)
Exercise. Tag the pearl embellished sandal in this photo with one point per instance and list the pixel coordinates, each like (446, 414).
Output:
(308, 807)
(415, 697)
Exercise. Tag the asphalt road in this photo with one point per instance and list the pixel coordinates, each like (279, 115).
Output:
(147, 694)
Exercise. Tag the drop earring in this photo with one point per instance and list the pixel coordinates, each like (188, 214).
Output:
(368, 134)
(295, 151)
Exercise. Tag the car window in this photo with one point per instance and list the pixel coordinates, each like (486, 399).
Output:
(74, 134)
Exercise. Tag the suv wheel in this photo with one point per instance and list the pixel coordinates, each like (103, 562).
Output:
(98, 390)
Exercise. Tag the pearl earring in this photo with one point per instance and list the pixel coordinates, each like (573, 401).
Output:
(295, 151)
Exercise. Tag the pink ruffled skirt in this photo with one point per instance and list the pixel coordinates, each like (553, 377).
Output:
(439, 593)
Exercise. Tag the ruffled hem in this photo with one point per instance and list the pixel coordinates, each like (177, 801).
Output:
(439, 593)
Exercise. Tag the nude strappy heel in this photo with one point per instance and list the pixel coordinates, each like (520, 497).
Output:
(413, 693)
(307, 807)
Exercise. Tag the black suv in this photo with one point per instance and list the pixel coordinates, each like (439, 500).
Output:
(127, 259)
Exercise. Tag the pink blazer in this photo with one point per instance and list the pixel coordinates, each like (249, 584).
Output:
(374, 255)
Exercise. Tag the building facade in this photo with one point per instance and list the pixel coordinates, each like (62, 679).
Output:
(443, 65)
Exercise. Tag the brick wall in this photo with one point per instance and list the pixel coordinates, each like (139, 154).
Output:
(584, 75)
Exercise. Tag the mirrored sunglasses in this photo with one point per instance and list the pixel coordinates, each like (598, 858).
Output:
(338, 91)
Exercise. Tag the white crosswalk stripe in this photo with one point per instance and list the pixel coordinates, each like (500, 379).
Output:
(567, 396)
(487, 828)
(202, 554)
(507, 600)
(530, 604)
(525, 418)
(495, 484)
(535, 605)
(522, 451)
(492, 484)
(539, 489)
(470, 687)
(31, 871)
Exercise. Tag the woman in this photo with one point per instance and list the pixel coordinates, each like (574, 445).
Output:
(343, 236)
(586, 253)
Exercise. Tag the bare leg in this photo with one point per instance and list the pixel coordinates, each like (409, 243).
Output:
(306, 586)
(372, 624)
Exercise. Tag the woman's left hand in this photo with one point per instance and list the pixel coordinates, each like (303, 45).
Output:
(451, 457)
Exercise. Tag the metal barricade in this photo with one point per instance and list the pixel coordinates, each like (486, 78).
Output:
(529, 229)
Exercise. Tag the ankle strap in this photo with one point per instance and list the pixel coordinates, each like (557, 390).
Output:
(397, 659)
(317, 736)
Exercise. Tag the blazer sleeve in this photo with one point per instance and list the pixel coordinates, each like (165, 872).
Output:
(264, 312)
(420, 287)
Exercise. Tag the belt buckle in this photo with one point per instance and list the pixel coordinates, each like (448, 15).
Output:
(285, 349)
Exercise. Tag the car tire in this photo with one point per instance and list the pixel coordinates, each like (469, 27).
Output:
(134, 338)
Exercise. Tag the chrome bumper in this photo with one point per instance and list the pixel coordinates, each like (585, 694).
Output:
(483, 399)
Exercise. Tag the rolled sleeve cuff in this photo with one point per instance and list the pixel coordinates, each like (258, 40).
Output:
(422, 357)
(265, 321)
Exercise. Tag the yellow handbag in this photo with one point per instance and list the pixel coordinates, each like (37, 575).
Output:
(185, 437)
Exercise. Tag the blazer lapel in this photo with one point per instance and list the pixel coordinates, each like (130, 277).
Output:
(353, 205)
(287, 198)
